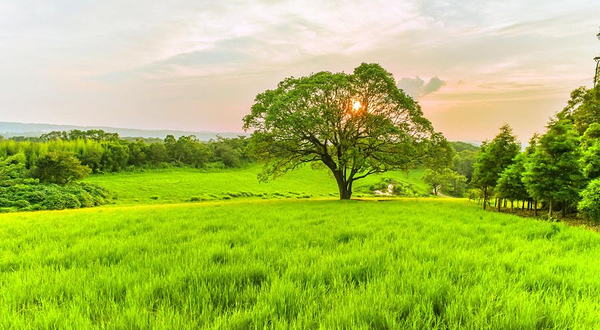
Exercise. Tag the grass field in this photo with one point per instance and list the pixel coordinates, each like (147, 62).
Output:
(296, 264)
(179, 185)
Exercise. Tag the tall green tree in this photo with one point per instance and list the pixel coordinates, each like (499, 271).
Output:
(583, 109)
(553, 171)
(510, 185)
(590, 148)
(493, 158)
(354, 124)
(589, 206)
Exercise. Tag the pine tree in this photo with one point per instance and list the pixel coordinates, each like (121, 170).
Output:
(553, 172)
(493, 158)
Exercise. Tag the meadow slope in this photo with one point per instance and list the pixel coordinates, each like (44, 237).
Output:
(176, 185)
(296, 264)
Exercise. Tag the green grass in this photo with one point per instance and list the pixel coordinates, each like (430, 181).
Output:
(296, 264)
(179, 185)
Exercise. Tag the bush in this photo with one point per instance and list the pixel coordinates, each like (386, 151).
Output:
(26, 197)
(21, 204)
(590, 202)
(60, 168)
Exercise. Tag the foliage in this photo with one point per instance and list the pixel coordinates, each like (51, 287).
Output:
(59, 168)
(583, 108)
(354, 124)
(510, 184)
(553, 171)
(13, 170)
(439, 153)
(589, 205)
(33, 196)
(590, 148)
(445, 180)
(464, 163)
(105, 152)
(493, 158)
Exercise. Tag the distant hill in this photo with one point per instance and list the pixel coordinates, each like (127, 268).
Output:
(8, 129)
(461, 145)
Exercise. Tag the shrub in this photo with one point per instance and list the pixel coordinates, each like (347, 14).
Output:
(60, 168)
(21, 204)
(590, 202)
(26, 197)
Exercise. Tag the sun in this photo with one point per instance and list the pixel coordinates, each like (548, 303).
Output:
(356, 105)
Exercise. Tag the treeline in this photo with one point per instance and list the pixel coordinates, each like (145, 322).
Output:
(107, 152)
(558, 171)
(41, 173)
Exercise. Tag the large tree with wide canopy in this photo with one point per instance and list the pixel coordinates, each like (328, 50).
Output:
(354, 124)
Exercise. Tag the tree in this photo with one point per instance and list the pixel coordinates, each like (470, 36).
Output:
(583, 108)
(157, 153)
(464, 162)
(353, 124)
(115, 156)
(510, 184)
(12, 170)
(552, 172)
(445, 179)
(60, 168)
(493, 158)
(590, 201)
(590, 147)
(228, 155)
(440, 153)
(137, 153)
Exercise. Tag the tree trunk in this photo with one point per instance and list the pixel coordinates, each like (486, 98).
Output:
(344, 188)
(523, 207)
(499, 203)
(535, 208)
(550, 209)
(564, 210)
(512, 209)
(484, 197)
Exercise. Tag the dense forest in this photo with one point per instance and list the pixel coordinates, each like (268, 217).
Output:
(559, 170)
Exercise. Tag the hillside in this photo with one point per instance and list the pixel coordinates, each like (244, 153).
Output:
(177, 185)
(431, 264)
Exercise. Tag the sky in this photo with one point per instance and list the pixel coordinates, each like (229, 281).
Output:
(197, 65)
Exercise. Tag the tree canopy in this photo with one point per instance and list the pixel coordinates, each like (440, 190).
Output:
(354, 124)
(553, 171)
(60, 168)
(493, 158)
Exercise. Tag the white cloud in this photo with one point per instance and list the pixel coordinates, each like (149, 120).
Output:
(417, 87)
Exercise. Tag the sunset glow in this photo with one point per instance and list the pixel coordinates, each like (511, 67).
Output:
(197, 66)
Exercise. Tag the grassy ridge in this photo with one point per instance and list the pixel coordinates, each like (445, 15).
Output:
(182, 184)
(296, 264)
